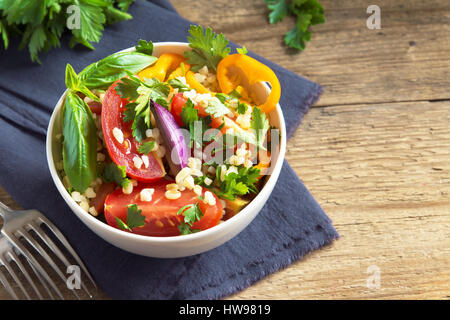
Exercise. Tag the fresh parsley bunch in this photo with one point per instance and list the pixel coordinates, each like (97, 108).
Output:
(41, 23)
(308, 13)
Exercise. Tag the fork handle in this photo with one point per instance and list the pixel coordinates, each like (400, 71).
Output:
(4, 210)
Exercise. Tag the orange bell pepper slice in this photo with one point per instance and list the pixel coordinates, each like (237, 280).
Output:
(165, 64)
(180, 71)
(254, 71)
(194, 84)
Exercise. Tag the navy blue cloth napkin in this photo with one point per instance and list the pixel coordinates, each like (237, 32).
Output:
(290, 225)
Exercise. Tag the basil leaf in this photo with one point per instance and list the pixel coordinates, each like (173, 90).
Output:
(80, 143)
(103, 73)
(73, 83)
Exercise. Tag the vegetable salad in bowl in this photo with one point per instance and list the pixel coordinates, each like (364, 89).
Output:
(169, 145)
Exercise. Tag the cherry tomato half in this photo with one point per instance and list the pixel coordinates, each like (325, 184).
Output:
(99, 201)
(123, 153)
(161, 219)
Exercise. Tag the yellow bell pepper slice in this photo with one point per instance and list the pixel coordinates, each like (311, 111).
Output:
(194, 84)
(180, 71)
(165, 64)
(254, 71)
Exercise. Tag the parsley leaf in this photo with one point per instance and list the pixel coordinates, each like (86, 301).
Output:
(260, 125)
(141, 92)
(239, 183)
(278, 10)
(242, 50)
(127, 88)
(184, 229)
(118, 174)
(92, 21)
(42, 23)
(129, 114)
(188, 113)
(216, 108)
(134, 218)
(307, 13)
(208, 48)
(178, 84)
(145, 47)
(146, 147)
(4, 33)
(191, 213)
(242, 108)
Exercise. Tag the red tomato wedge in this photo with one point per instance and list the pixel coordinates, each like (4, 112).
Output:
(123, 153)
(99, 201)
(225, 122)
(96, 107)
(177, 106)
(161, 219)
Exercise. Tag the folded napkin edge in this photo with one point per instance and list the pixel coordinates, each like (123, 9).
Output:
(304, 108)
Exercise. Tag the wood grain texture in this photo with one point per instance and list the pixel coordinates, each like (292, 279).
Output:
(382, 174)
(406, 60)
(379, 166)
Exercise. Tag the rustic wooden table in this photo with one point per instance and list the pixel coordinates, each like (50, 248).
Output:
(374, 151)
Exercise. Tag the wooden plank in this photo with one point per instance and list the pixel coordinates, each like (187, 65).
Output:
(381, 172)
(406, 60)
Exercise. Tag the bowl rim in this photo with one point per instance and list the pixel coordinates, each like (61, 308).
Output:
(171, 239)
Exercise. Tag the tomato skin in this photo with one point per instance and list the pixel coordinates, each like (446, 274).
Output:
(96, 107)
(178, 103)
(177, 106)
(123, 154)
(161, 219)
(103, 191)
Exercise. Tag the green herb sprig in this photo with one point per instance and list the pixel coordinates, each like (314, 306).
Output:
(42, 23)
(134, 218)
(307, 13)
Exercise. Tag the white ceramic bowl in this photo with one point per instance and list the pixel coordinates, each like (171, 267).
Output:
(168, 247)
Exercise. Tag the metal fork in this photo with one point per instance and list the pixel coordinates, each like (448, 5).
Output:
(19, 224)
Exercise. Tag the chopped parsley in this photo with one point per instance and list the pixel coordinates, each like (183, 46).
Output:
(260, 125)
(216, 108)
(140, 92)
(191, 213)
(146, 147)
(189, 113)
(178, 84)
(184, 229)
(242, 108)
(236, 184)
(114, 173)
(134, 218)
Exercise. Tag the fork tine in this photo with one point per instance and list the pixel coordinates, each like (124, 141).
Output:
(49, 242)
(33, 262)
(15, 277)
(45, 255)
(67, 245)
(8, 287)
(16, 259)
(41, 279)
